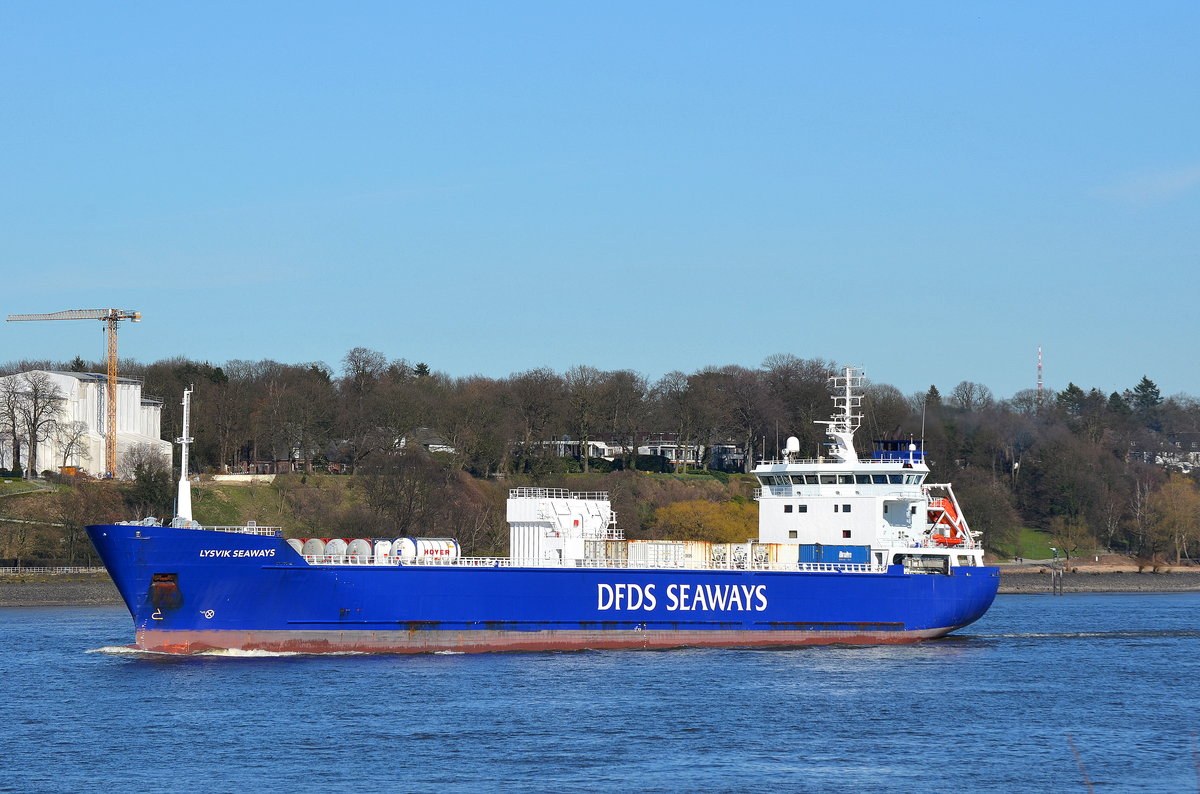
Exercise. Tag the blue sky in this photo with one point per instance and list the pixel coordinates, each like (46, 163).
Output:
(930, 190)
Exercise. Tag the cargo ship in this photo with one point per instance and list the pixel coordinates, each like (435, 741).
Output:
(850, 550)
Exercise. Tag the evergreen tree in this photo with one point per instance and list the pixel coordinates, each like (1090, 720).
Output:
(1118, 405)
(1146, 401)
(1070, 400)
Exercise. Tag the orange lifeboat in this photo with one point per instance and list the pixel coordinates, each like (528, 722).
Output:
(948, 529)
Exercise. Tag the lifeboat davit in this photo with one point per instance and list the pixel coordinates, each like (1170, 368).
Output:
(948, 529)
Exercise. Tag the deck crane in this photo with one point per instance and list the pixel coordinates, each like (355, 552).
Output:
(110, 318)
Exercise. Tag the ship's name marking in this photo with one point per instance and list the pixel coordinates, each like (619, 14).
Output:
(237, 552)
(683, 597)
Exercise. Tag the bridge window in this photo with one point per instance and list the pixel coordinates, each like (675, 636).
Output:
(879, 479)
(863, 479)
(896, 479)
(845, 479)
(828, 479)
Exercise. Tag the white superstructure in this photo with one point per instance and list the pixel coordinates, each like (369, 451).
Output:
(884, 502)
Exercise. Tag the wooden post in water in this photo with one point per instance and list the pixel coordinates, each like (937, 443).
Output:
(1056, 574)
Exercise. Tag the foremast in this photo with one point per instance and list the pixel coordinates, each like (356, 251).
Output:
(183, 506)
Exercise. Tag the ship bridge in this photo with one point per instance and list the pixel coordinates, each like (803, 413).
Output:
(883, 501)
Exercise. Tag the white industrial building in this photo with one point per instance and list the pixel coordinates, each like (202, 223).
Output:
(82, 414)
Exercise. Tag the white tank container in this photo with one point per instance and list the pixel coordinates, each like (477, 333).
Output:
(421, 550)
(336, 547)
(296, 544)
(360, 551)
(383, 552)
(313, 547)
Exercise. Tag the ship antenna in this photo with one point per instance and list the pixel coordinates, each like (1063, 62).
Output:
(184, 510)
(845, 421)
(924, 401)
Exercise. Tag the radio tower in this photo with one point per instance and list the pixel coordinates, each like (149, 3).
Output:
(1040, 397)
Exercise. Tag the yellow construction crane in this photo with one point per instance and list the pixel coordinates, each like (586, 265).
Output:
(110, 317)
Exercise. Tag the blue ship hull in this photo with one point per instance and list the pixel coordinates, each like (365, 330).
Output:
(192, 590)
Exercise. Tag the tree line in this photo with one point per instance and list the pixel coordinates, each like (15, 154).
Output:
(1088, 467)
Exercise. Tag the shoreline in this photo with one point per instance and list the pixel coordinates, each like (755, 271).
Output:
(1036, 579)
(58, 591)
(98, 590)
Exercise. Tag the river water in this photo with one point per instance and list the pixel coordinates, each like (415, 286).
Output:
(999, 707)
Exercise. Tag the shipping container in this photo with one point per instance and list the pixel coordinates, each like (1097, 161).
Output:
(817, 552)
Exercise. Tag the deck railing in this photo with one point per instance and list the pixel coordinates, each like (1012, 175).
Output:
(49, 569)
(555, 493)
(508, 562)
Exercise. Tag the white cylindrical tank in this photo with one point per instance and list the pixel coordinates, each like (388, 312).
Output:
(359, 550)
(296, 544)
(425, 549)
(441, 549)
(383, 552)
(405, 549)
(336, 547)
(313, 547)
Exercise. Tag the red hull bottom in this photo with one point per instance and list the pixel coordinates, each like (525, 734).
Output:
(483, 641)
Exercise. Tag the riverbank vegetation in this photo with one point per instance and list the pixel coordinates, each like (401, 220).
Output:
(416, 451)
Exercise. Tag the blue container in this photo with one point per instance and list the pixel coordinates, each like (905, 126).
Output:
(817, 552)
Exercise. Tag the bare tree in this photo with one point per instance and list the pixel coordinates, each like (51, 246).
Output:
(18, 538)
(71, 438)
(624, 401)
(10, 417)
(406, 487)
(970, 396)
(747, 407)
(150, 469)
(679, 405)
(39, 405)
(536, 398)
(800, 387)
(1139, 515)
(143, 457)
(583, 405)
(76, 507)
